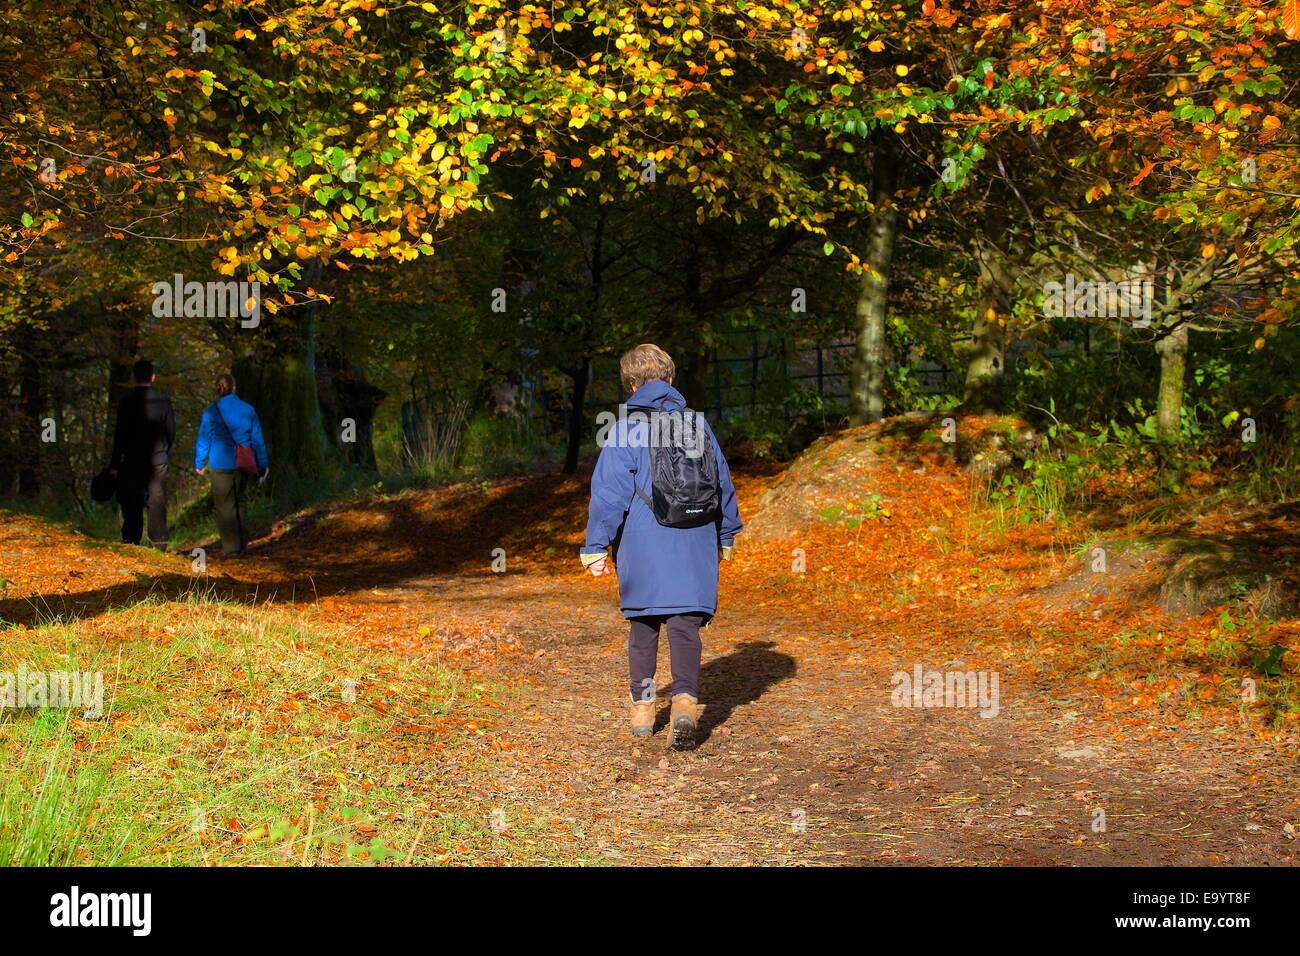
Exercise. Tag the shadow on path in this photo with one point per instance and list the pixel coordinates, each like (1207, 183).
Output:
(36, 609)
(404, 539)
(736, 679)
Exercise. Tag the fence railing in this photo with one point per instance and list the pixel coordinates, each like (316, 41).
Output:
(752, 372)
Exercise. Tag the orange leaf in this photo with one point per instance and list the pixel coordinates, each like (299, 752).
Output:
(1143, 173)
(1291, 19)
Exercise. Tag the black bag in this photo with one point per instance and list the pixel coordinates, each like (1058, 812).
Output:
(683, 471)
(103, 486)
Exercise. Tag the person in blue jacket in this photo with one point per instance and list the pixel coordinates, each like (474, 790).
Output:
(667, 577)
(227, 423)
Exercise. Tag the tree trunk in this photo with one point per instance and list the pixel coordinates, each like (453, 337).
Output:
(29, 416)
(125, 340)
(8, 451)
(1172, 350)
(692, 379)
(871, 351)
(277, 380)
(577, 418)
(344, 393)
(987, 357)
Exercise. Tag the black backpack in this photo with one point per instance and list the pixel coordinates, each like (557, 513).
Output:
(685, 487)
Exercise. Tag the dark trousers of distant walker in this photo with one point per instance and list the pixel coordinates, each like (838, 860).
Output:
(227, 495)
(138, 492)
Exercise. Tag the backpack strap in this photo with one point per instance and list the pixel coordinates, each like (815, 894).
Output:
(216, 407)
(642, 495)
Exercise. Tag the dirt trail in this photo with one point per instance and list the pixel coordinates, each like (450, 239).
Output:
(799, 733)
(803, 757)
(795, 738)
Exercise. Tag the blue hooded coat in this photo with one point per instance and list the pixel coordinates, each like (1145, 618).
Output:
(660, 570)
(237, 423)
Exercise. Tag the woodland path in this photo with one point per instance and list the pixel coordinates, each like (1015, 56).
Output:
(799, 732)
(799, 721)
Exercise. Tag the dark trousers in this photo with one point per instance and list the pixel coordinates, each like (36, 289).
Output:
(683, 650)
(227, 491)
(138, 492)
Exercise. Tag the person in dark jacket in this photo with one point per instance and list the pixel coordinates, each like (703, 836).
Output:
(228, 422)
(667, 577)
(142, 441)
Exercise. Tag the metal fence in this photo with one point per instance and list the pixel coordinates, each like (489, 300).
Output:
(755, 372)
(752, 372)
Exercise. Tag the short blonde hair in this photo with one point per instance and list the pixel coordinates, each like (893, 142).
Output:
(644, 363)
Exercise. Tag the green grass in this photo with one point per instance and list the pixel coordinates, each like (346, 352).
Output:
(47, 809)
(232, 735)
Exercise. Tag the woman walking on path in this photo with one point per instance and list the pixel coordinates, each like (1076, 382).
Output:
(231, 446)
(663, 509)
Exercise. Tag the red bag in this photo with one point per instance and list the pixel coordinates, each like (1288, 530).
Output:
(245, 460)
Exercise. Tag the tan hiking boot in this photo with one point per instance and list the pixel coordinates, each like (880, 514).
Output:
(643, 718)
(683, 721)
